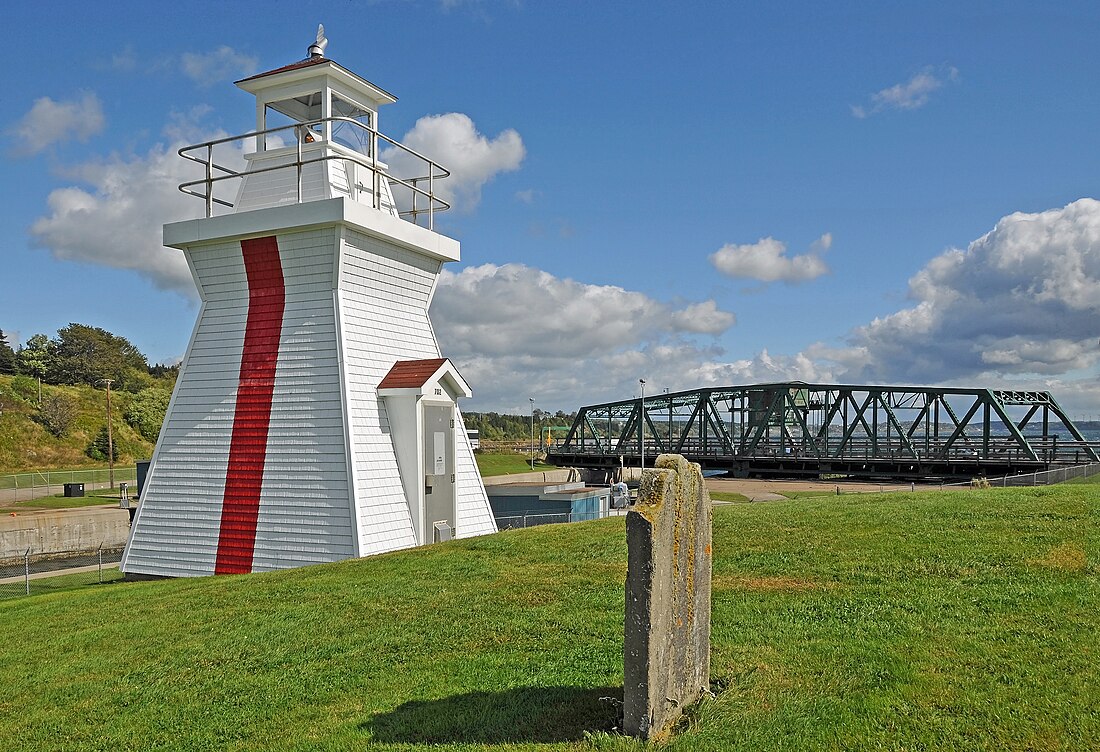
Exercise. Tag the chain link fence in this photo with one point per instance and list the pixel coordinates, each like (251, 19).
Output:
(1042, 478)
(27, 486)
(514, 522)
(34, 573)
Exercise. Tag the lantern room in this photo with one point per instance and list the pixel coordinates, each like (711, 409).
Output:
(328, 101)
(319, 117)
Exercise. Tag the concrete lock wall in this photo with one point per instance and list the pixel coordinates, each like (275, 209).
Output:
(666, 652)
(63, 530)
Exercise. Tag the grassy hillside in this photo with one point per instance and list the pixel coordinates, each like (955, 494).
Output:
(942, 621)
(26, 445)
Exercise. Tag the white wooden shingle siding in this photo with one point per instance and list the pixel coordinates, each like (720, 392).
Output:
(383, 299)
(473, 515)
(305, 511)
(175, 532)
(385, 292)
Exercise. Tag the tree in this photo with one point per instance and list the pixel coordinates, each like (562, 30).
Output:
(7, 355)
(35, 359)
(86, 354)
(147, 409)
(57, 413)
(98, 449)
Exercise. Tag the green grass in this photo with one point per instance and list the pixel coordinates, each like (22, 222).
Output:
(507, 463)
(66, 582)
(97, 497)
(727, 496)
(809, 494)
(935, 621)
(731, 496)
(1091, 480)
(58, 502)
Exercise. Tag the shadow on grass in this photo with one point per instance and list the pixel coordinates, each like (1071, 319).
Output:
(522, 714)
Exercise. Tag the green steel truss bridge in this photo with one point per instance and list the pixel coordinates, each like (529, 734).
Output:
(794, 429)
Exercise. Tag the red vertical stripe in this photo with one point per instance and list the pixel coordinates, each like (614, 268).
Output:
(248, 448)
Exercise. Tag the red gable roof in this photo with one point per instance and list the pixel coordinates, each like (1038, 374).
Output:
(309, 61)
(411, 374)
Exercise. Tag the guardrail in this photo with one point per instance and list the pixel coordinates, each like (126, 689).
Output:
(305, 133)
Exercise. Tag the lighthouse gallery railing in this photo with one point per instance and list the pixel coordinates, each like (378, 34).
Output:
(369, 161)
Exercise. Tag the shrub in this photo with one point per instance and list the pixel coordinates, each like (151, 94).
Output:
(57, 413)
(25, 388)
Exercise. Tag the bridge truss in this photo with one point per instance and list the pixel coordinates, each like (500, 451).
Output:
(796, 429)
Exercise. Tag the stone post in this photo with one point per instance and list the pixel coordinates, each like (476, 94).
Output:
(666, 652)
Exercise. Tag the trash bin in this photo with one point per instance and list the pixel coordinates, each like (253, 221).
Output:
(74, 489)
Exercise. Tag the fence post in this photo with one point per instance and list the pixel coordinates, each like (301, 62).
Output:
(99, 552)
(27, 570)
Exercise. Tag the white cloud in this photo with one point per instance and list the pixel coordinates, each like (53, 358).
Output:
(217, 66)
(112, 214)
(527, 196)
(49, 122)
(516, 331)
(766, 261)
(910, 95)
(702, 318)
(1024, 299)
(453, 141)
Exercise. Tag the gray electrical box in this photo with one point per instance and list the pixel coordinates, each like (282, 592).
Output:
(443, 532)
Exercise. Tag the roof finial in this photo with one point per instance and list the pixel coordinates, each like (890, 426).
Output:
(317, 49)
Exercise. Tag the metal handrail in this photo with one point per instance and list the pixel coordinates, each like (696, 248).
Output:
(435, 170)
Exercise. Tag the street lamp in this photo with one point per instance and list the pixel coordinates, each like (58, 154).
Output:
(110, 436)
(641, 429)
(532, 401)
(669, 419)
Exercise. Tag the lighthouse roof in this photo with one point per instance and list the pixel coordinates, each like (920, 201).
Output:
(311, 67)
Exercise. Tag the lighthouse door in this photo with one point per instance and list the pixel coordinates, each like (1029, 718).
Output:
(439, 469)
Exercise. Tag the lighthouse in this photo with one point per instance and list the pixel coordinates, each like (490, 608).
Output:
(315, 417)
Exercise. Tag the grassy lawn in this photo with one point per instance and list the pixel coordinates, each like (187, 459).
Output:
(731, 496)
(727, 496)
(935, 621)
(60, 501)
(507, 463)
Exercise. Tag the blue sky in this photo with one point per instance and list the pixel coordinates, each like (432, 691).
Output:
(690, 193)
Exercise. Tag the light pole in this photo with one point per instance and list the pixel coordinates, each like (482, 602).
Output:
(669, 420)
(110, 436)
(641, 427)
(532, 401)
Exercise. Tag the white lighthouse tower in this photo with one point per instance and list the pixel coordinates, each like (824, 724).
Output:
(314, 418)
